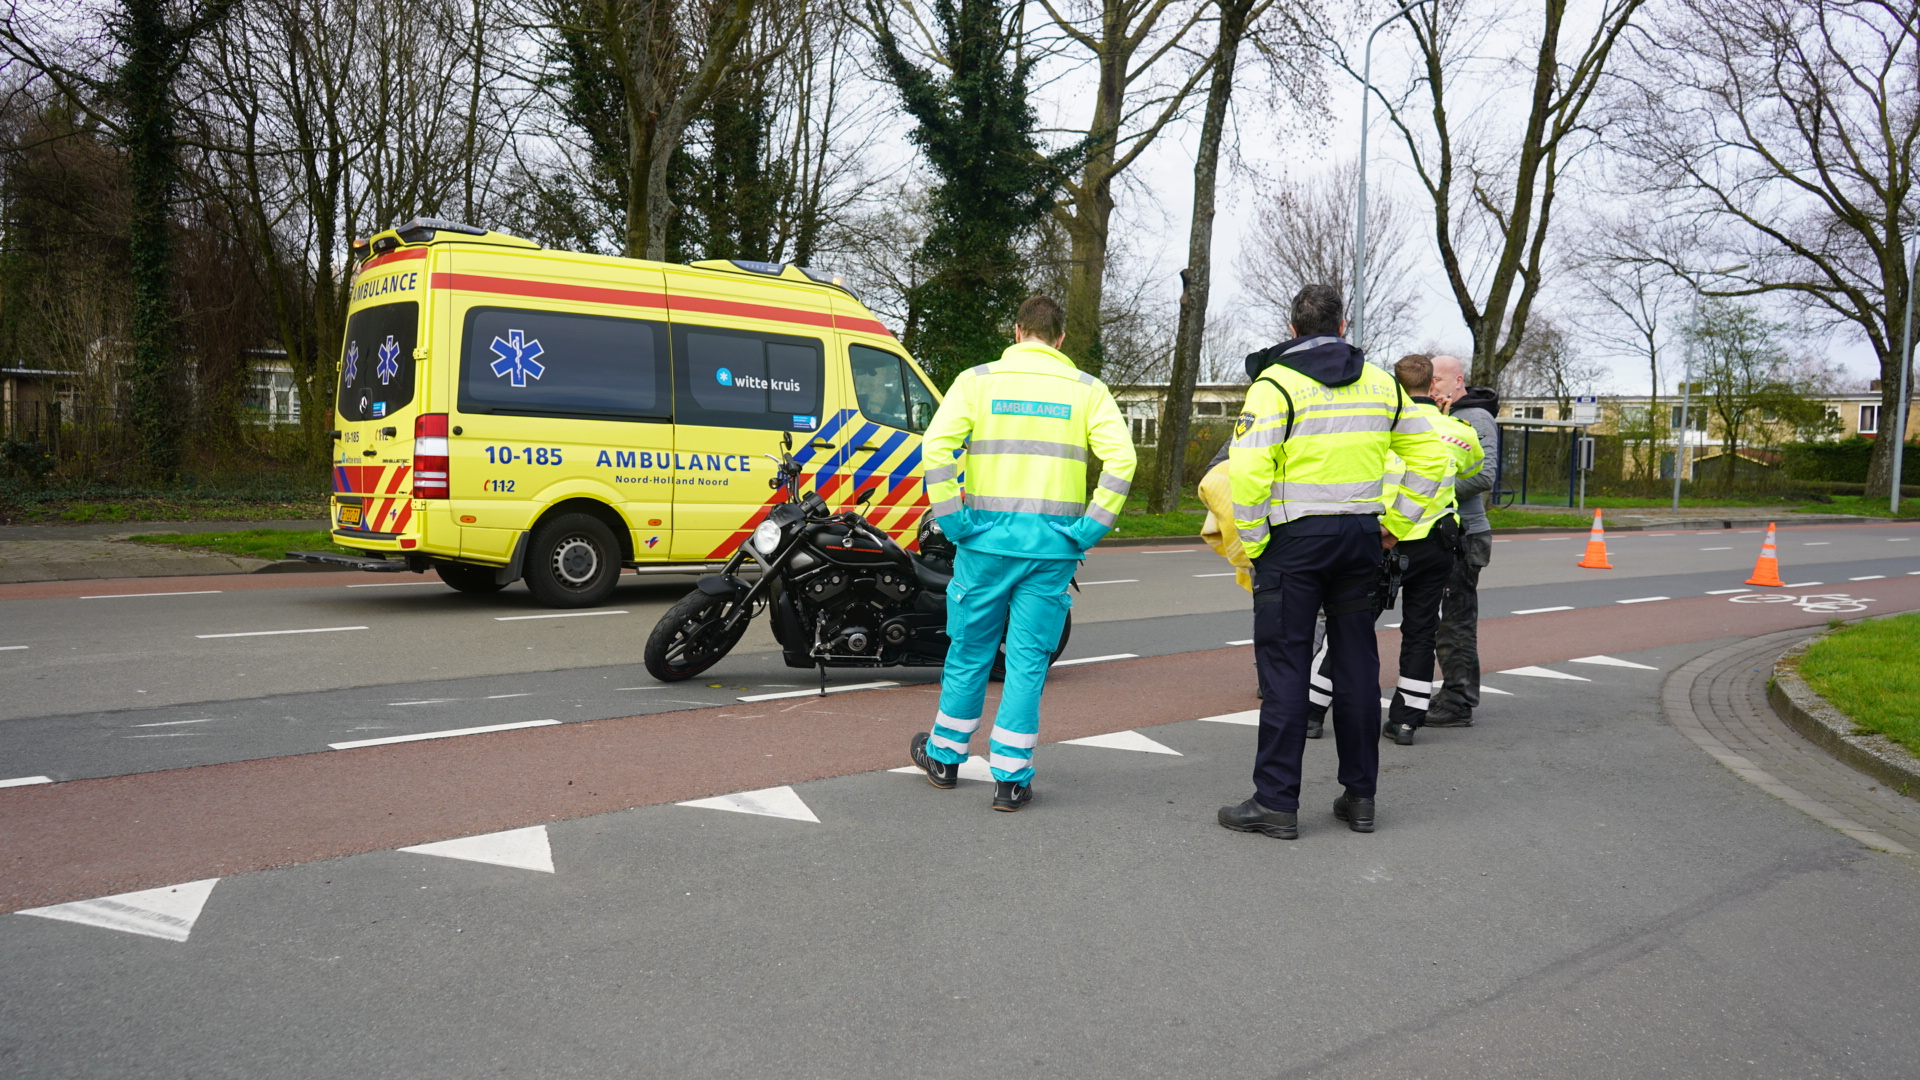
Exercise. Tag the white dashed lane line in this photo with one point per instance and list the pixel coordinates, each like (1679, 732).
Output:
(1095, 659)
(557, 615)
(1868, 577)
(1643, 599)
(176, 723)
(1543, 610)
(1227, 574)
(392, 584)
(129, 595)
(11, 648)
(1802, 584)
(1115, 581)
(1717, 549)
(1727, 592)
(23, 781)
(275, 633)
(441, 734)
(1242, 641)
(810, 693)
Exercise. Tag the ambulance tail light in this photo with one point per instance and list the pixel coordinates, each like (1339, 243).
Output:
(430, 456)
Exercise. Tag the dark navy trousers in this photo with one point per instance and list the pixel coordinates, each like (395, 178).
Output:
(1312, 562)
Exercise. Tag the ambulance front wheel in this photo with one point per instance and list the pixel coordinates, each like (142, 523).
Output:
(572, 561)
(480, 580)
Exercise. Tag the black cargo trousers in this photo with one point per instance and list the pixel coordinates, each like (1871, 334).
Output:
(1458, 640)
(1430, 562)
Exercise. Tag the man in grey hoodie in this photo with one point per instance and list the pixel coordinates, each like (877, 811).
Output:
(1457, 644)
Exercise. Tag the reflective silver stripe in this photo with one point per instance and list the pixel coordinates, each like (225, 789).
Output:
(1086, 378)
(1352, 491)
(1102, 515)
(1312, 343)
(1032, 447)
(1023, 740)
(1261, 437)
(1319, 697)
(1413, 424)
(1115, 484)
(1408, 508)
(1342, 425)
(1007, 505)
(1338, 406)
(1009, 764)
(936, 739)
(1417, 686)
(1287, 511)
(945, 507)
(940, 474)
(1415, 701)
(1249, 513)
(954, 723)
(1254, 535)
(1420, 485)
(1318, 678)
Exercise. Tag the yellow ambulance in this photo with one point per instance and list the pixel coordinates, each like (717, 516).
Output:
(507, 412)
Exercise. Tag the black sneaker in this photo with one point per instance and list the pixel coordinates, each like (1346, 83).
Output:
(1356, 812)
(1009, 797)
(1316, 724)
(940, 774)
(1250, 816)
(1401, 734)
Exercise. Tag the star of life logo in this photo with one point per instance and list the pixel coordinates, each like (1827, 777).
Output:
(517, 358)
(723, 377)
(389, 366)
(353, 362)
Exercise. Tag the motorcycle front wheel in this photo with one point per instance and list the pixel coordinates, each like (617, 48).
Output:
(999, 672)
(691, 637)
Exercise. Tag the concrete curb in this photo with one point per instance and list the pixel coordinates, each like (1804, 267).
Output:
(1830, 729)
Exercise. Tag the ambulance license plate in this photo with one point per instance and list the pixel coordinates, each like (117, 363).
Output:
(350, 516)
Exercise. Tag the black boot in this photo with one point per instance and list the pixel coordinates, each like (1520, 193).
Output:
(1009, 797)
(940, 774)
(1250, 816)
(1356, 812)
(1316, 722)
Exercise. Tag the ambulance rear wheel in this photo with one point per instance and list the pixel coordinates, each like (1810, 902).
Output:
(999, 671)
(479, 580)
(572, 561)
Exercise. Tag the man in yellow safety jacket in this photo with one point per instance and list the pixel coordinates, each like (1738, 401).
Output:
(1017, 510)
(1308, 460)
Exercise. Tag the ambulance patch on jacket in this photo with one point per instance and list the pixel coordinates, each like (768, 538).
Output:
(1052, 410)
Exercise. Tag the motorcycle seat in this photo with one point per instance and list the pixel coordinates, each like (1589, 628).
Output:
(934, 579)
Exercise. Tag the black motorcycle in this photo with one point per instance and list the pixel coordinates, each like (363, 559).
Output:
(840, 593)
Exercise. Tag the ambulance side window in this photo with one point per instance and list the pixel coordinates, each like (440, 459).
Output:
(550, 363)
(888, 390)
(376, 362)
(733, 378)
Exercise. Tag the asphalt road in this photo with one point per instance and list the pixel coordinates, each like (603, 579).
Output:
(1570, 888)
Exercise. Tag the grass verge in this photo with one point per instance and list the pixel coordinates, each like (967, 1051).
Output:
(251, 543)
(1871, 672)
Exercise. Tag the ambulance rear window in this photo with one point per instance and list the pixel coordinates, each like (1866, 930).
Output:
(376, 363)
(731, 378)
(549, 363)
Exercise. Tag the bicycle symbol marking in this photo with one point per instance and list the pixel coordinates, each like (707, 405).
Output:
(1817, 603)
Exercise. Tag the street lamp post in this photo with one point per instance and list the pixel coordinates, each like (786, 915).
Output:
(1900, 408)
(1680, 442)
(1360, 227)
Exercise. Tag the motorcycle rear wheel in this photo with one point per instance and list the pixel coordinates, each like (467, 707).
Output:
(690, 637)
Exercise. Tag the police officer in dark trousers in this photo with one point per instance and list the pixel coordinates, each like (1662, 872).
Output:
(1308, 467)
(1427, 531)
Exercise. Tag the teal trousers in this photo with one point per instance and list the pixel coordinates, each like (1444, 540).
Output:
(995, 596)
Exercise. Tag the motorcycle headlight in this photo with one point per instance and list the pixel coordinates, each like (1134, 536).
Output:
(766, 538)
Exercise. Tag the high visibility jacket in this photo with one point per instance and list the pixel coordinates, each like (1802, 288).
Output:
(1417, 514)
(1025, 424)
(1305, 449)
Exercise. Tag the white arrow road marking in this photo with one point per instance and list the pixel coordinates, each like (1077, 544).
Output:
(168, 912)
(525, 849)
(1485, 689)
(1124, 740)
(974, 768)
(1542, 673)
(1250, 718)
(1608, 661)
(780, 802)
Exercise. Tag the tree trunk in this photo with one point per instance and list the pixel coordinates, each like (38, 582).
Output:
(1196, 281)
(147, 78)
(1880, 478)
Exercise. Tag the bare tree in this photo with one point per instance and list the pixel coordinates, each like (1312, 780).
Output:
(1131, 44)
(1303, 234)
(1629, 304)
(1787, 129)
(1549, 364)
(1493, 185)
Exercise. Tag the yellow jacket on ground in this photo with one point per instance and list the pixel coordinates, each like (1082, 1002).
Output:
(1314, 436)
(1006, 456)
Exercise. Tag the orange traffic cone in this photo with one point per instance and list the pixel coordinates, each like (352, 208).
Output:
(1596, 556)
(1766, 570)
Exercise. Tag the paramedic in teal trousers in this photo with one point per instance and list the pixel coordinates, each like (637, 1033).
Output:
(1006, 459)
